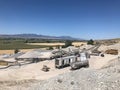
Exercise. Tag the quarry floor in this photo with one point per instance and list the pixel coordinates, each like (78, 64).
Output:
(33, 71)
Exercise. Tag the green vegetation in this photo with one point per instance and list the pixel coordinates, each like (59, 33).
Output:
(16, 51)
(21, 43)
(50, 48)
(90, 42)
(12, 43)
(68, 43)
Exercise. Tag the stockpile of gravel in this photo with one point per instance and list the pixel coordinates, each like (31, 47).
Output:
(107, 78)
(84, 79)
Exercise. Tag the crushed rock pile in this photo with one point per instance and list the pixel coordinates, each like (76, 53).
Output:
(84, 79)
(107, 78)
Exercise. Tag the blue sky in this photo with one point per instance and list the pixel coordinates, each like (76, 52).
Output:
(96, 19)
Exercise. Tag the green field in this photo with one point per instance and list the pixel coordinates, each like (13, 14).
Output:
(7, 44)
(18, 43)
(21, 43)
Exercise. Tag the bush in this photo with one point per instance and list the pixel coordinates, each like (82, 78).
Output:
(16, 51)
(50, 48)
(67, 43)
(90, 42)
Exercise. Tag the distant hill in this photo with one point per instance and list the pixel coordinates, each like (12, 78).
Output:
(37, 36)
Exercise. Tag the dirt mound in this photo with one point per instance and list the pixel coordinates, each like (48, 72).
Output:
(103, 48)
(112, 51)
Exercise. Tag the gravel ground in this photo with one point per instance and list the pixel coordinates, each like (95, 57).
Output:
(84, 79)
(107, 78)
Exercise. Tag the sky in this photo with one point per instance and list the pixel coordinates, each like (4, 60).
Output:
(88, 19)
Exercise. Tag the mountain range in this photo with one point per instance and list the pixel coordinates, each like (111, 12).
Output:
(29, 36)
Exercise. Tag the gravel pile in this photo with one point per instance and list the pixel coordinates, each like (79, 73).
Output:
(107, 78)
(84, 79)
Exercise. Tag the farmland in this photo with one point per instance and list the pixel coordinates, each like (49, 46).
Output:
(47, 44)
(12, 51)
(13, 43)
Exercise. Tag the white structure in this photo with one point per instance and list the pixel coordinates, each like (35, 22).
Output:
(83, 57)
(64, 61)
